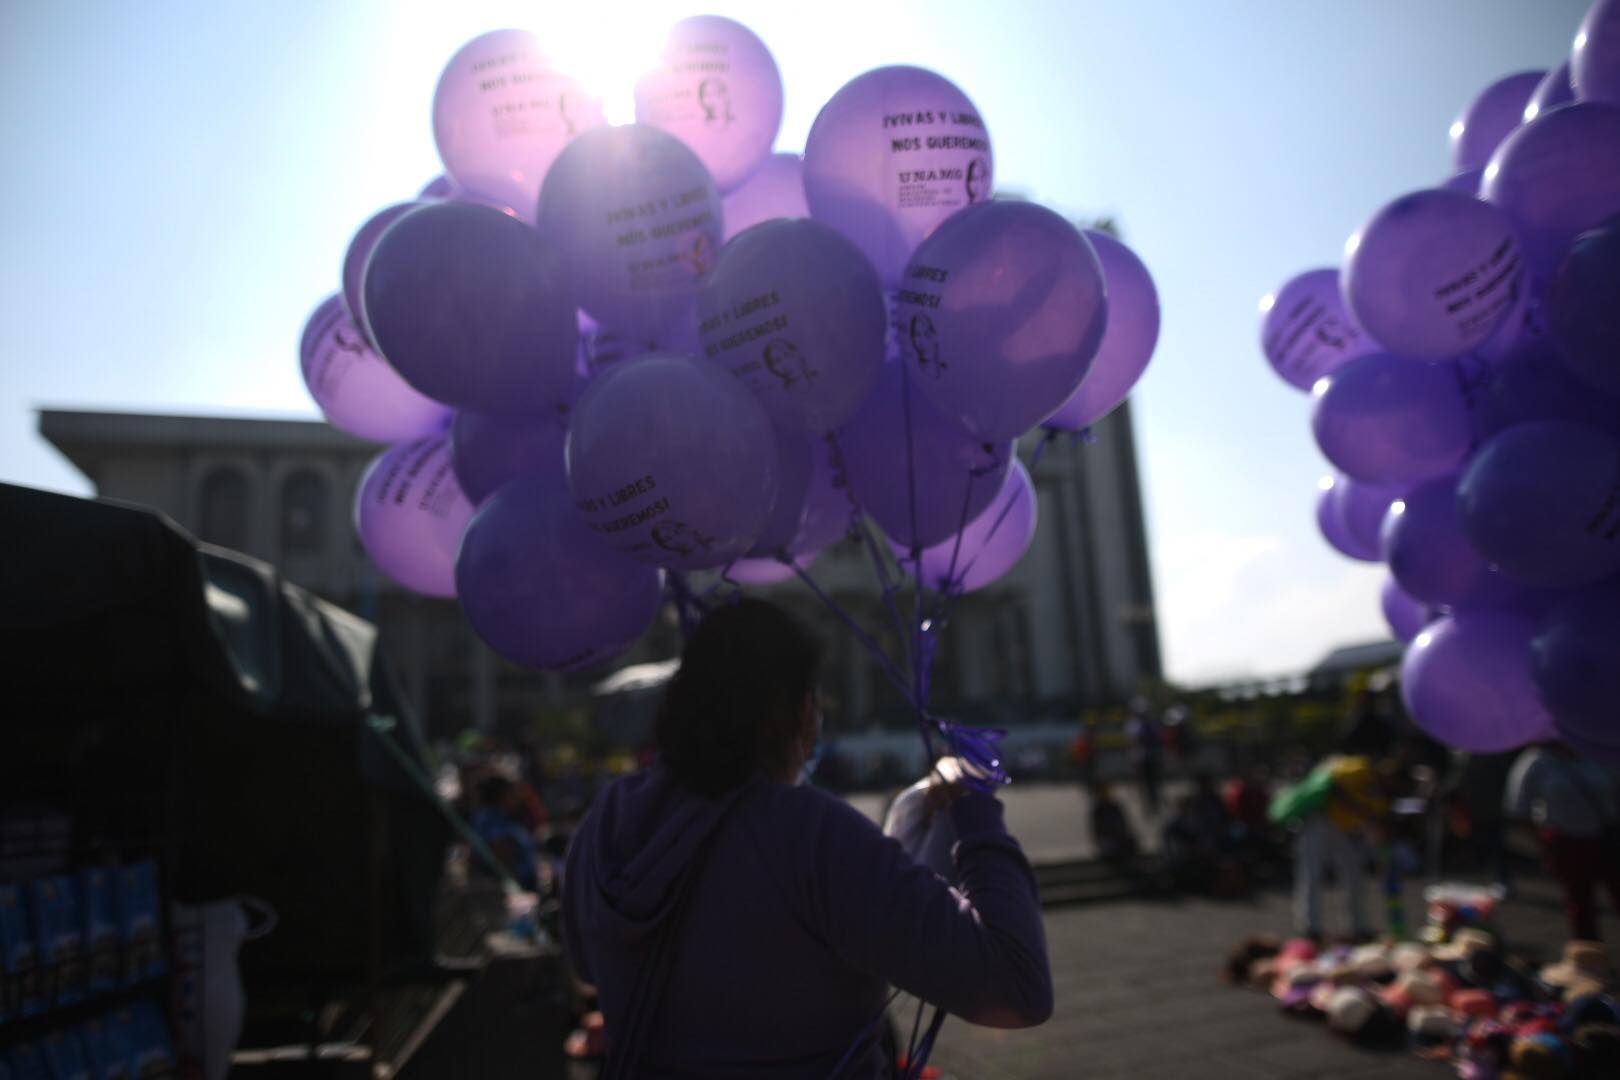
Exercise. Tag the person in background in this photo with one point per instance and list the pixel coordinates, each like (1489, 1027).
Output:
(1111, 831)
(739, 923)
(1084, 751)
(499, 822)
(1335, 808)
(1146, 737)
(1572, 803)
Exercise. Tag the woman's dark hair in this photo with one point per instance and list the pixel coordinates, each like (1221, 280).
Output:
(732, 709)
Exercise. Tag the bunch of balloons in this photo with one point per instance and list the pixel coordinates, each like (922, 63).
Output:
(607, 356)
(1465, 366)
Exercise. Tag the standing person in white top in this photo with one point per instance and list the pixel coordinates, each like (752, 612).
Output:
(1573, 804)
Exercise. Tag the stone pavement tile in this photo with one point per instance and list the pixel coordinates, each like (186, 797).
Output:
(1317, 1053)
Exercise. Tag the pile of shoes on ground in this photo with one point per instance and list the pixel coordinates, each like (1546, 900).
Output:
(1458, 996)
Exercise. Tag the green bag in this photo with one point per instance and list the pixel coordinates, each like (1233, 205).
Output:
(1302, 799)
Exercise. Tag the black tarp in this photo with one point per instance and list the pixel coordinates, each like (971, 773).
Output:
(261, 696)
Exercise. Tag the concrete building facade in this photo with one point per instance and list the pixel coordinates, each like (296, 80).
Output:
(1071, 626)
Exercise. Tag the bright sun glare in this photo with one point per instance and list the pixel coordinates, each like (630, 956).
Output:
(606, 47)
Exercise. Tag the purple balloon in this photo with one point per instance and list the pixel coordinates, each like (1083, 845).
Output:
(1433, 274)
(1306, 332)
(1467, 181)
(1362, 508)
(1384, 419)
(774, 190)
(356, 390)
(489, 450)
(1534, 385)
(1575, 660)
(1429, 556)
(1498, 109)
(354, 260)
(718, 91)
(942, 467)
(410, 514)
(768, 571)
(894, 153)
(793, 466)
(1000, 316)
(470, 306)
(1553, 90)
(990, 546)
(672, 461)
(1330, 522)
(440, 187)
(796, 312)
(1583, 307)
(1541, 502)
(1594, 62)
(1406, 617)
(502, 112)
(639, 221)
(828, 508)
(1466, 681)
(1131, 333)
(1556, 177)
(541, 589)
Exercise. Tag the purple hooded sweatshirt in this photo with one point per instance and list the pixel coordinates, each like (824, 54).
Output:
(801, 915)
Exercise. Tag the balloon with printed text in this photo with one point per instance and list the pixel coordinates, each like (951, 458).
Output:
(892, 154)
(410, 513)
(671, 460)
(1306, 332)
(1000, 315)
(355, 388)
(539, 587)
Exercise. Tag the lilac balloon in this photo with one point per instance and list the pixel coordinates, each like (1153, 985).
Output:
(1429, 556)
(990, 546)
(410, 514)
(470, 306)
(1498, 109)
(1583, 307)
(1466, 681)
(942, 466)
(1433, 273)
(717, 90)
(1556, 177)
(1305, 329)
(672, 461)
(1467, 181)
(796, 312)
(1575, 660)
(1384, 419)
(489, 450)
(1362, 508)
(354, 259)
(1553, 90)
(1128, 339)
(638, 218)
(768, 571)
(793, 465)
(1541, 502)
(894, 153)
(541, 589)
(355, 388)
(502, 112)
(1000, 316)
(440, 187)
(774, 190)
(1330, 522)
(828, 509)
(1406, 617)
(1594, 62)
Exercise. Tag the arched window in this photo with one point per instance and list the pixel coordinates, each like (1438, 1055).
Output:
(224, 504)
(303, 513)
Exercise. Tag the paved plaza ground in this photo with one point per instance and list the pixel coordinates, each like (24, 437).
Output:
(1138, 990)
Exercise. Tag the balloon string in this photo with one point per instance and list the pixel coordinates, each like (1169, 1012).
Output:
(861, 635)
(689, 608)
(887, 587)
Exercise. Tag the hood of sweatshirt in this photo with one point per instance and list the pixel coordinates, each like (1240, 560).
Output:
(632, 851)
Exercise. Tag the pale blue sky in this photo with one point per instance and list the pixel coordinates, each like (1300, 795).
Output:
(180, 181)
